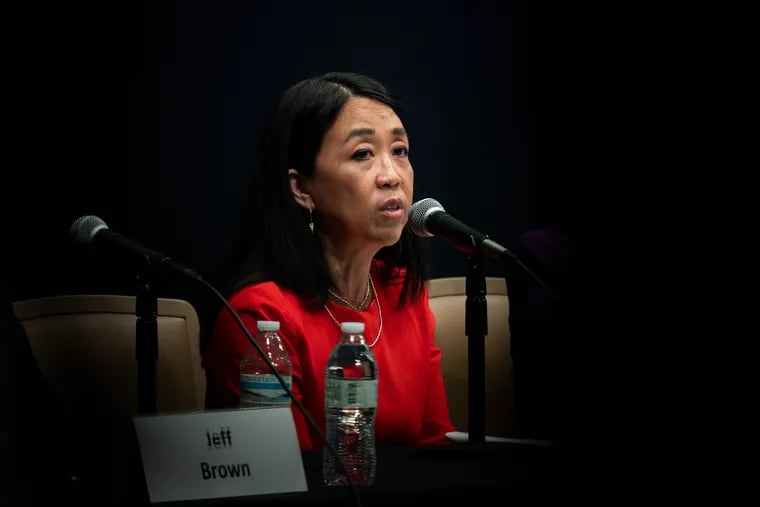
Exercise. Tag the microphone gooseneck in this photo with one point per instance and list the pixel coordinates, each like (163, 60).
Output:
(92, 231)
(427, 218)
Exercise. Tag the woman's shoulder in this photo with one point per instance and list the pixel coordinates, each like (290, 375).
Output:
(266, 301)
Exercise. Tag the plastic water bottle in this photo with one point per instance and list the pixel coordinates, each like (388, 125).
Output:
(350, 405)
(259, 387)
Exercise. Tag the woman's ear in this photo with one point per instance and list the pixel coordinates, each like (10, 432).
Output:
(299, 189)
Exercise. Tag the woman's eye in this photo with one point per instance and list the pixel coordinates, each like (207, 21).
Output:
(401, 151)
(361, 155)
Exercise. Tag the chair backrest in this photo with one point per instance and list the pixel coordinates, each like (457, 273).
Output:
(84, 345)
(447, 301)
(85, 348)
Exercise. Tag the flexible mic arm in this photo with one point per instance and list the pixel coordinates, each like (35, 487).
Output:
(509, 255)
(476, 244)
(483, 244)
(427, 217)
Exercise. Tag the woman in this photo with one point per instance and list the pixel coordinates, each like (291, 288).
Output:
(325, 240)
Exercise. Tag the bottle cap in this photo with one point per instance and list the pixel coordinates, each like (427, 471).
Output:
(352, 327)
(268, 325)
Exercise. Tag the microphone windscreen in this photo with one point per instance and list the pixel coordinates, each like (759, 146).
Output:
(84, 228)
(419, 212)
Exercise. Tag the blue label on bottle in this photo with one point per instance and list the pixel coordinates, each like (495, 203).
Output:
(263, 389)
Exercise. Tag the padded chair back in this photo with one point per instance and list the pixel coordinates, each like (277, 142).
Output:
(84, 345)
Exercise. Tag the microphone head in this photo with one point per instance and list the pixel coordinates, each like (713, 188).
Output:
(419, 213)
(84, 228)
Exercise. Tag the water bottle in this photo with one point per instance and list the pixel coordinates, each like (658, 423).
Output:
(259, 387)
(350, 405)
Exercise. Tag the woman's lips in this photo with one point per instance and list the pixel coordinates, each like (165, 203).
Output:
(393, 208)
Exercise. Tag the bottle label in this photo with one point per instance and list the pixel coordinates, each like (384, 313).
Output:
(263, 389)
(356, 393)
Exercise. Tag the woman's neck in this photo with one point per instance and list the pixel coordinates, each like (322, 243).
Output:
(350, 275)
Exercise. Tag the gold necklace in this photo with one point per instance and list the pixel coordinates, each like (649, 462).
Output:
(379, 313)
(348, 303)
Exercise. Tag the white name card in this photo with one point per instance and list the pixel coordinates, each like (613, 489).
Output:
(225, 453)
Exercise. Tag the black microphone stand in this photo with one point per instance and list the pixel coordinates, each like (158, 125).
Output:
(146, 341)
(476, 329)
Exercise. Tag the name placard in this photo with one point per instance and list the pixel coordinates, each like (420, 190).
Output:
(224, 453)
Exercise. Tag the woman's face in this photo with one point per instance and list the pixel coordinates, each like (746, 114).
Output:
(363, 180)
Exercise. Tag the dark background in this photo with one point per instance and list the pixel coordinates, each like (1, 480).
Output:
(147, 114)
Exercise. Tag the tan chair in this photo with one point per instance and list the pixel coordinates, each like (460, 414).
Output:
(84, 345)
(85, 349)
(447, 301)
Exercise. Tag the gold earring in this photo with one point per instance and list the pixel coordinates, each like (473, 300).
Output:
(311, 219)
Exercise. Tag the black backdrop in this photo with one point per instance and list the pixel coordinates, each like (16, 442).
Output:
(147, 113)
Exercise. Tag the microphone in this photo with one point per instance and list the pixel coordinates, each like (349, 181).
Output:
(428, 218)
(90, 230)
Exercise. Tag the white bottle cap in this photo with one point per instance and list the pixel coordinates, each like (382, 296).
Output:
(268, 325)
(352, 327)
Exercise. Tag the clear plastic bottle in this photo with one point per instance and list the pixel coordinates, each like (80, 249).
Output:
(350, 405)
(259, 387)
